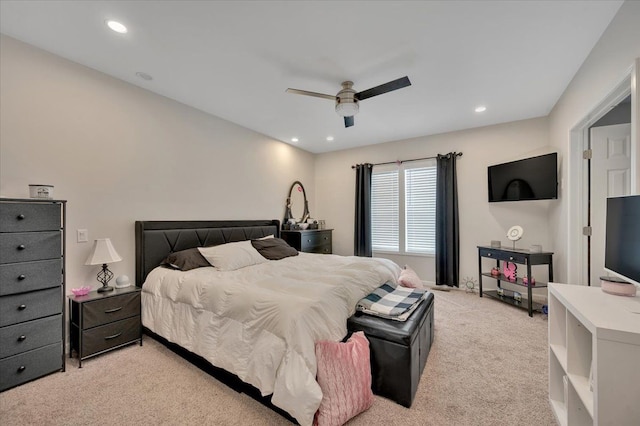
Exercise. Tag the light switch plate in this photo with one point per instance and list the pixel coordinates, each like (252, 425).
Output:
(83, 235)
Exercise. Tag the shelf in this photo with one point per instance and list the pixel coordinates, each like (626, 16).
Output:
(560, 411)
(556, 389)
(589, 329)
(520, 304)
(561, 355)
(582, 388)
(518, 281)
(577, 412)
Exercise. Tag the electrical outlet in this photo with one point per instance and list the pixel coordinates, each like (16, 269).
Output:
(83, 235)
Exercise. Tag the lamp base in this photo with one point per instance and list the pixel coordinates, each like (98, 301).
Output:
(104, 277)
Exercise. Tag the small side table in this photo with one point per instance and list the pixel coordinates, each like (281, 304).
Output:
(101, 322)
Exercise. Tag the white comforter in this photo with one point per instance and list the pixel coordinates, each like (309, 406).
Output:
(261, 322)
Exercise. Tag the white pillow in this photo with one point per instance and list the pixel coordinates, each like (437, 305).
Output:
(232, 256)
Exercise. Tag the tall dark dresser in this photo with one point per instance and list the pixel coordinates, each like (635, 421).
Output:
(32, 289)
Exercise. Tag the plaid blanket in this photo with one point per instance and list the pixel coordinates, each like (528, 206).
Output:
(391, 302)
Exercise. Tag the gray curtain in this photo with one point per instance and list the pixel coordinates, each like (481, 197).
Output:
(362, 234)
(447, 226)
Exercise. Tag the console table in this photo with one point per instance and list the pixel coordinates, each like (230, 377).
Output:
(523, 257)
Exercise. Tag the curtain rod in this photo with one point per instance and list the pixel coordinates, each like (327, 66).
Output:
(457, 154)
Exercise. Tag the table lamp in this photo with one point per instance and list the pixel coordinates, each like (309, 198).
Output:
(103, 253)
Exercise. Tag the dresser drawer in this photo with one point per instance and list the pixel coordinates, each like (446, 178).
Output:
(30, 365)
(316, 242)
(21, 217)
(109, 309)
(321, 249)
(23, 307)
(501, 255)
(29, 276)
(29, 335)
(27, 246)
(109, 336)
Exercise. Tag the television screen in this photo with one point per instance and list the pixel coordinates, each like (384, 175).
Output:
(534, 178)
(622, 241)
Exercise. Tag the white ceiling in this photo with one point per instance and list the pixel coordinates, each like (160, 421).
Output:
(235, 59)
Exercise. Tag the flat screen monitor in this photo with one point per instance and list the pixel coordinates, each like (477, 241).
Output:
(534, 178)
(622, 241)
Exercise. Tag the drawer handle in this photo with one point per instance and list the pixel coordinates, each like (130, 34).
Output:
(20, 217)
(21, 247)
(488, 254)
(22, 338)
(308, 241)
(21, 368)
(113, 337)
(22, 307)
(110, 311)
(22, 277)
(510, 257)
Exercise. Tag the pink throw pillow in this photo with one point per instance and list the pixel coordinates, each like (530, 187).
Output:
(409, 278)
(344, 375)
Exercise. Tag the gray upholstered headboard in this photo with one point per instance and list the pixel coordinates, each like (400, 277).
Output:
(156, 239)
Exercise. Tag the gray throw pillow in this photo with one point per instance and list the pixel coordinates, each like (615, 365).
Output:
(274, 248)
(185, 260)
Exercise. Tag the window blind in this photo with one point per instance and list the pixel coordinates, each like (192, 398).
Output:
(385, 211)
(420, 210)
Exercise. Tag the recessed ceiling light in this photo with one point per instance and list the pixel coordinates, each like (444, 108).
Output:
(329, 138)
(144, 76)
(481, 108)
(117, 26)
(294, 139)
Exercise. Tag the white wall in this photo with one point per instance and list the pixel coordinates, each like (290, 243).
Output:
(606, 66)
(480, 221)
(119, 154)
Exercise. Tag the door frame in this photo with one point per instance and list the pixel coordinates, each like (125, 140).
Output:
(579, 142)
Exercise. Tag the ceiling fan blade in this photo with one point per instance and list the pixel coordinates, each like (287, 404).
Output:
(315, 94)
(348, 121)
(383, 88)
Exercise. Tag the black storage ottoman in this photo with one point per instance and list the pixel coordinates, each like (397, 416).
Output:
(399, 350)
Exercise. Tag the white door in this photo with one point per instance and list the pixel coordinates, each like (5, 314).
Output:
(610, 177)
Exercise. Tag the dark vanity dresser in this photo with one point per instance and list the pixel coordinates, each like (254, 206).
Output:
(309, 240)
(306, 240)
(32, 288)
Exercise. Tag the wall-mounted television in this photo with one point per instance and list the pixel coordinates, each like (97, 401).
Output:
(622, 241)
(534, 178)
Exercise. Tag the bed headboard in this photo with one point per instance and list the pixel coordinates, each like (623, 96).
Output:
(156, 239)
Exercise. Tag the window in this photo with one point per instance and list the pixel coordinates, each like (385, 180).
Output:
(403, 208)
(385, 218)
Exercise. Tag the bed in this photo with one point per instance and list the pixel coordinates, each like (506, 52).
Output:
(258, 322)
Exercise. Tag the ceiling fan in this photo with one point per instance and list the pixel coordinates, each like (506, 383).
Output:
(347, 99)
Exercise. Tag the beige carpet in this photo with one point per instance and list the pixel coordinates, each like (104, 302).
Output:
(487, 366)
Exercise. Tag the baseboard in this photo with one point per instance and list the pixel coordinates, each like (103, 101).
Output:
(432, 286)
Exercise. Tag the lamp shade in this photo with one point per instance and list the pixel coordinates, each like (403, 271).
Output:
(103, 252)
(347, 109)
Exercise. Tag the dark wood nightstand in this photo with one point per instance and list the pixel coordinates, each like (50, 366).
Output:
(309, 240)
(101, 322)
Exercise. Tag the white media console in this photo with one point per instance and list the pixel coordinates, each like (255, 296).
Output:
(594, 356)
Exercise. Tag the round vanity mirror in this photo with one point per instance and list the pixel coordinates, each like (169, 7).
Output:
(297, 205)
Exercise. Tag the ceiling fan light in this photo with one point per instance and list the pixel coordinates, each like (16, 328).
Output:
(347, 109)
(116, 26)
